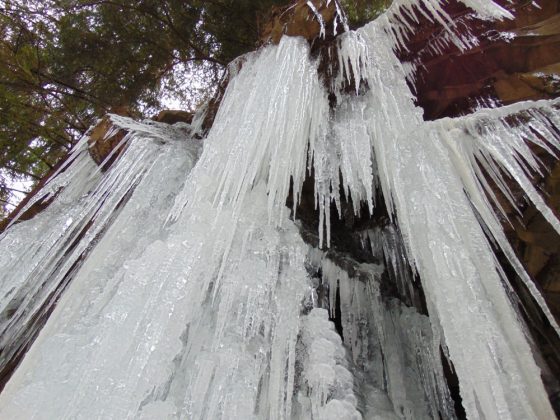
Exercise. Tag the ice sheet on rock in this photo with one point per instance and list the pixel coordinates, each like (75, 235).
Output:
(39, 258)
(494, 142)
(446, 243)
(202, 320)
(144, 337)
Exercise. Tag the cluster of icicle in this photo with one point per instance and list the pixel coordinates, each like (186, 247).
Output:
(39, 258)
(396, 359)
(339, 19)
(183, 287)
(431, 175)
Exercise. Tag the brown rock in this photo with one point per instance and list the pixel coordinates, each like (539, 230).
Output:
(172, 116)
(298, 19)
(515, 60)
(37, 207)
(102, 142)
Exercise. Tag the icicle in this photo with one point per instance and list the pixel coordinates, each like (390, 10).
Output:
(392, 349)
(326, 379)
(485, 136)
(448, 247)
(40, 257)
(402, 16)
(269, 146)
(188, 303)
(319, 18)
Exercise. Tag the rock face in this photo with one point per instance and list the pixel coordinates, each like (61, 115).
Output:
(514, 60)
(299, 19)
(172, 116)
(101, 142)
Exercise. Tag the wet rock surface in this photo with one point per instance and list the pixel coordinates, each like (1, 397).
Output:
(512, 60)
(102, 141)
(299, 19)
(172, 116)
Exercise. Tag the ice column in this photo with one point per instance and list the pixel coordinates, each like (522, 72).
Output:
(425, 192)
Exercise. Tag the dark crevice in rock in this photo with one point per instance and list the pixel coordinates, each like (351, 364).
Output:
(348, 248)
(337, 319)
(453, 385)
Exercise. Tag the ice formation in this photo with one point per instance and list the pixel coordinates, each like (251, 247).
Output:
(176, 284)
(38, 259)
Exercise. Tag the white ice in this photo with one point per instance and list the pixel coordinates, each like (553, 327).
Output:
(185, 296)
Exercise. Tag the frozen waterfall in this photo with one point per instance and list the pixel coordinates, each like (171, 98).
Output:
(178, 285)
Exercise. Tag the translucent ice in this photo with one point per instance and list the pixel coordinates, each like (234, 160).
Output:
(186, 293)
